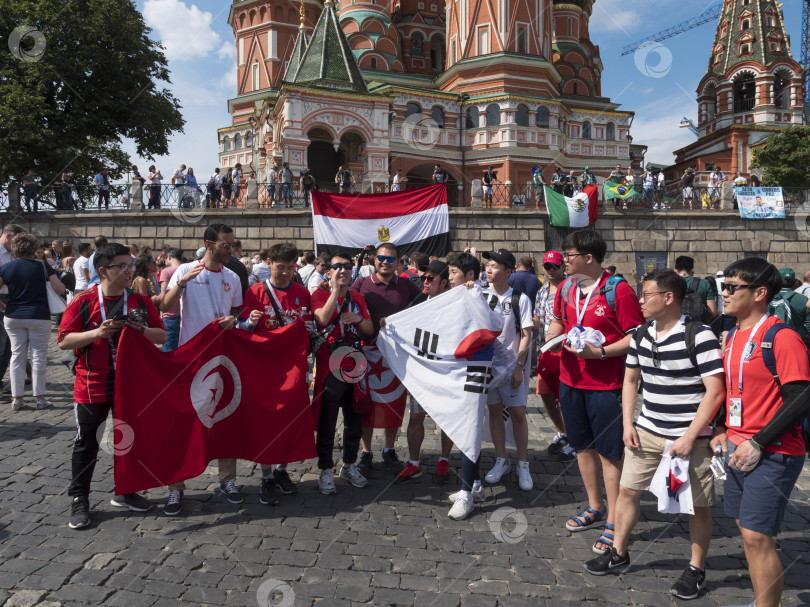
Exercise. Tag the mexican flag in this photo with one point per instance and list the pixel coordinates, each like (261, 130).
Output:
(576, 212)
(618, 190)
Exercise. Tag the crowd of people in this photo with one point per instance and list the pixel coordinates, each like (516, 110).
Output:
(685, 345)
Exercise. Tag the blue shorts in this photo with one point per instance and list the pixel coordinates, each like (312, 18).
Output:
(758, 499)
(271, 189)
(286, 190)
(593, 419)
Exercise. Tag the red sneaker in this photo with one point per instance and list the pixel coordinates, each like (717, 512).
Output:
(442, 471)
(408, 472)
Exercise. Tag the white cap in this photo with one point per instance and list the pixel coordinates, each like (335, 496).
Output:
(720, 273)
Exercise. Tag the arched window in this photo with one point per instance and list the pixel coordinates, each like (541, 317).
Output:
(711, 105)
(237, 142)
(522, 115)
(744, 92)
(746, 24)
(226, 143)
(374, 63)
(541, 119)
(472, 118)
(576, 88)
(411, 109)
(586, 130)
(249, 140)
(610, 132)
(745, 49)
(781, 92)
(437, 53)
(437, 116)
(493, 115)
(417, 42)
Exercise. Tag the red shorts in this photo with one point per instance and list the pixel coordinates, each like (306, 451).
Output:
(548, 373)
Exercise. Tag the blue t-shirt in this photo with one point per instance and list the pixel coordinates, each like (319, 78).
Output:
(26, 289)
(525, 282)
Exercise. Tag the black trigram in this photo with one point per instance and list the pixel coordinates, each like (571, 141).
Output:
(478, 378)
(426, 343)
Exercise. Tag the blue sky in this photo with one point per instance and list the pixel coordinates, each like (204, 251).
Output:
(659, 87)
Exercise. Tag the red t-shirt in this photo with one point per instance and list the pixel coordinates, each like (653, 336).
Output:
(597, 374)
(294, 304)
(358, 306)
(95, 374)
(761, 398)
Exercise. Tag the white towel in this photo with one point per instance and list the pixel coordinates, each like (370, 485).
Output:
(579, 336)
(676, 471)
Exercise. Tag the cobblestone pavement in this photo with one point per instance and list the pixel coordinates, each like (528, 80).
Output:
(385, 544)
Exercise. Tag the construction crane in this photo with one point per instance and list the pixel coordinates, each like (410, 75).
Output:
(688, 124)
(806, 54)
(709, 14)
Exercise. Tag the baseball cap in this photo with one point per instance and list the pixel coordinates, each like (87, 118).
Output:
(554, 257)
(200, 252)
(501, 256)
(436, 266)
(720, 273)
(787, 275)
(587, 167)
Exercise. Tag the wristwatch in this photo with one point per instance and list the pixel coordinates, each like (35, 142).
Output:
(604, 354)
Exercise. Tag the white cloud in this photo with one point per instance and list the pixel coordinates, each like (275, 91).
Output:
(185, 31)
(615, 16)
(656, 126)
(227, 51)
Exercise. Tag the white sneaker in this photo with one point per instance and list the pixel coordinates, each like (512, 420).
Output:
(502, 466)
(477, 494)
(461, 509)
(326, 483)
(524, 476)
(352, 474)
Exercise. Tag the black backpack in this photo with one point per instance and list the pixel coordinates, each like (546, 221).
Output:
(493, 301)
(227, 181)
(694, 306)
(690, 332)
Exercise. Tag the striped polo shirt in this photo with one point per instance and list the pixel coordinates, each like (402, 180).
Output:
(673, 386)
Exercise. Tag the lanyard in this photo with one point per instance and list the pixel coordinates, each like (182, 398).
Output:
(214, 306)
(581, 315)
(745, 354)
(101, 304)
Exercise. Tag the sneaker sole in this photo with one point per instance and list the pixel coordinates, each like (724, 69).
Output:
(401, 480)
(459, 518)
(352, 483)
(615, 570)
(268, 501)
(689, 597)
(328, 491)
(172, 512)
(72, 526)
(133, 508)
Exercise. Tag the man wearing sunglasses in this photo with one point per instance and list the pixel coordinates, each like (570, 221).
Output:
(385, 293)
(207, 292)
(762, 433)
(683, 390)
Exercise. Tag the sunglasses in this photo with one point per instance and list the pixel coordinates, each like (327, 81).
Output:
(388, 258)
(551, 266)
(345, 266)
(731, 287)
(122, 266)
(427, 278)
(656, 357)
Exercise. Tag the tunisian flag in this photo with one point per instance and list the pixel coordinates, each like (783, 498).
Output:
(415, 220)
(223, 394)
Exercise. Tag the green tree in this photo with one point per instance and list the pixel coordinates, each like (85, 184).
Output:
(75, 78)
(785, 158)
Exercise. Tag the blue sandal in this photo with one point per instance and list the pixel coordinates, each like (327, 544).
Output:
(595, 521)
(606, 538)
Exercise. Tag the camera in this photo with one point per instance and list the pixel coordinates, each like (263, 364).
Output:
(138, 315)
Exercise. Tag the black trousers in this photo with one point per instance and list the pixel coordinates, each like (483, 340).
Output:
(337, 394)
(104, 196)
(89, 418)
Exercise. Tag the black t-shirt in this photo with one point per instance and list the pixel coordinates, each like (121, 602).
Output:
(488, 177)
(26, 289)
(688, 180)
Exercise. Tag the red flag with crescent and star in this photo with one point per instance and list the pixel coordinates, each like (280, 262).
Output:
(223, 394)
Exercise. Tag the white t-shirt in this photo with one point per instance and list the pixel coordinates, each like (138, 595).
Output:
(217, 180)
(154, 178)
(648, 180)
(179, 178)
(503, 304)
(209, 296)
(306, 272)
(314, 281)
(804, 290)
(236, 177)
(661, 179)
(78, 265)
(713, 179)
(272, 176)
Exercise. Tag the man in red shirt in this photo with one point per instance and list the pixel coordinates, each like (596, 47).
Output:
(763, 436)
(591, 379)
(92, 326)
(335, 375)
(269, 305)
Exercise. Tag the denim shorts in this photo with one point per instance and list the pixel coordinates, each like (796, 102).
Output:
(759, 498)
(286, 190)
(593, 419)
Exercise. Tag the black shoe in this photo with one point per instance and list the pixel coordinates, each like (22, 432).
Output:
(79, 513)
(231, 493)
(174, 504)
(610, 562)
(284, 482)
(133, 501)
(266, 492)
(364, 465)
(392, 462)
(556, 446)
(689, 585)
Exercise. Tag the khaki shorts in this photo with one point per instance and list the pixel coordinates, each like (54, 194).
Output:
(640, 466)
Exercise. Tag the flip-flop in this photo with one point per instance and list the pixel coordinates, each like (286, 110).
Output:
(596, 521)
(606, 538)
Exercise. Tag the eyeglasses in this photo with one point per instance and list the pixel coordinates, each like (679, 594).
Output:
(388, 258)
(652, 294)
(124, 267)
(570, 256)
(732, 287)
(342, 266)
(551, 267)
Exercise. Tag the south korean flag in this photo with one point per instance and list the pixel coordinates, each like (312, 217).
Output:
(442, 351)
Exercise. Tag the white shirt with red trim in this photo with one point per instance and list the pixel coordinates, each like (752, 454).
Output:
(209, 296)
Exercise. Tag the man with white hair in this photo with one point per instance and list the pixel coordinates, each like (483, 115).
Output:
(804, 289)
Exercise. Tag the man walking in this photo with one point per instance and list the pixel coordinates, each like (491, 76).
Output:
(683, 389)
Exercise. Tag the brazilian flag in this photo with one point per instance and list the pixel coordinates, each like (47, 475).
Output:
(618, 190)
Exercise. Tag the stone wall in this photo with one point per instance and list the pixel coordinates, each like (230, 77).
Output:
(714, 238)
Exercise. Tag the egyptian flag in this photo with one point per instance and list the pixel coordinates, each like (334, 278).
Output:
(576, 212)
(414, 220)
(442, 351)
(223, 394)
